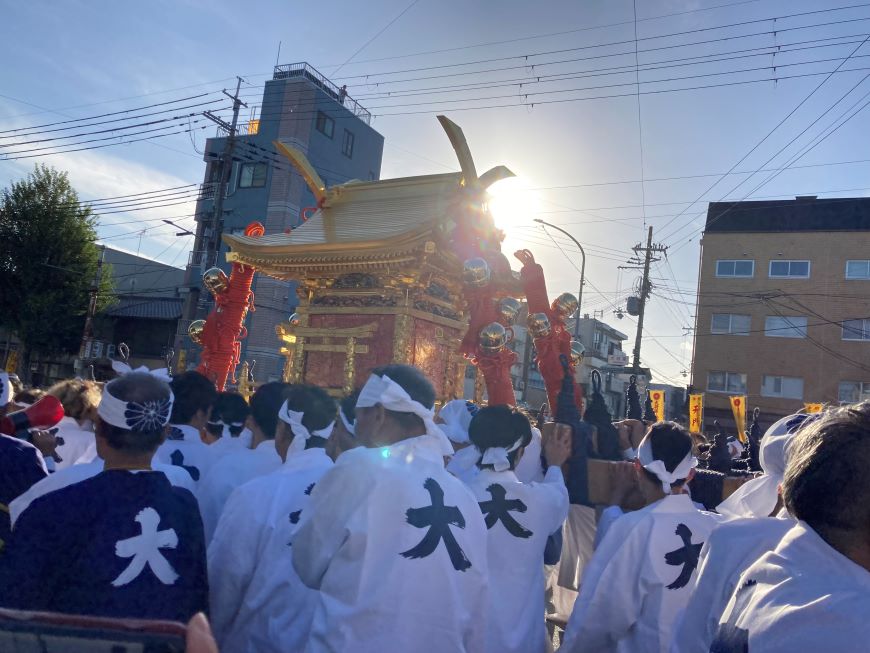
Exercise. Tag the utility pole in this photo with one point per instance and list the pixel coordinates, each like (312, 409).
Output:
(645, 287)
(208, 232)
(92, 310)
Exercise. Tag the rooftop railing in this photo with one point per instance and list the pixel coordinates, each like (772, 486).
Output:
(303, 69)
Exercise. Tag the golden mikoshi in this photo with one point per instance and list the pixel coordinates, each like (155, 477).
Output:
(508, 310)
(476, 272)
(195, 331)
(539, 325)
(565, 305)
(577, 352)
(216, 281)
(493, 338)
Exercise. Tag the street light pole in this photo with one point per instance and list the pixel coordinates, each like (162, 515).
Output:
(582, 272)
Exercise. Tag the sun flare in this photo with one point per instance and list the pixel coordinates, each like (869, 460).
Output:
(513, 203)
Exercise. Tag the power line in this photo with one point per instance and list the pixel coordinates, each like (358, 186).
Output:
(777, 126)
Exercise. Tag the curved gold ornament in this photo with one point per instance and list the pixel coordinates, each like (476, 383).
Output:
(493, 338)
(539, 325)
(508, 309)
(195, 331)
(565, 305)
(216, 281)
(476, 272)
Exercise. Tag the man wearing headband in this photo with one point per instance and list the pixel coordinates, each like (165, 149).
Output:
(124, 543)
(638, 580)
(756, 524)
(394, 544)
(184, 448)
(519, 517)
(226, 424)
(343, 436)
(259, 604)
(242, 465)
(812, 592)
(454, 418)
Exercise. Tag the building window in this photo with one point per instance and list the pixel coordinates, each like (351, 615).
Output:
(776, 326)
(858, 269)
(347, 144)
(856, 329)
(730, 323)
(789, 270)
(325, 125)
(788, 387)
(851, 392)
(253, 175)
(735, 268)
(730, 382)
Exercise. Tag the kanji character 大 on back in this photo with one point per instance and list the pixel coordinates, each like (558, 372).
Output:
(125, 543)
(394, 544)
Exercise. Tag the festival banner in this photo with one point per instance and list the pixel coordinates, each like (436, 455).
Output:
(813, 408)
(696, 413)
(658, 403)
(738, 409)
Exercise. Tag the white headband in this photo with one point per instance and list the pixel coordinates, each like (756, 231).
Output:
(122, 369)
(389, 394)
(498, 456)
(456, 416)
(300, 433)
(657, 467)
(348, 425)
(139, 417)
(5, 389)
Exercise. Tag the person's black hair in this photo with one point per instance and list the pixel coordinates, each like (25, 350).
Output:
(193, 393)
(500, 426)
(826, 483)
(348, 406)
(137, 387)
(318, 408)
(229, 408)
(265, 403)
(419, 388)
(670, 443)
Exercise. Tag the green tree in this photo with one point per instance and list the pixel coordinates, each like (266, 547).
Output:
(48, 264)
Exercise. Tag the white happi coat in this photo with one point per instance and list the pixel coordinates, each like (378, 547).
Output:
(638, 580)
(519, 518)
(76, 441)
(386, 579)
(729, 551)
(190, 452)
(258, 602)
(228, 473)
(802, 596)
(228, 444)
(77, 473)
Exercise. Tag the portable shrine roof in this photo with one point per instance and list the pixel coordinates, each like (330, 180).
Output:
(361, 215)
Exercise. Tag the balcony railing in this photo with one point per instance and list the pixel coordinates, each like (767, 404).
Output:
(303, 69)
(201, 258)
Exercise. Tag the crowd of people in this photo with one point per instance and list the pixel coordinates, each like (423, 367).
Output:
(296, 522)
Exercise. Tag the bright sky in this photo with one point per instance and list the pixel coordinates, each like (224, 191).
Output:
(563, 110)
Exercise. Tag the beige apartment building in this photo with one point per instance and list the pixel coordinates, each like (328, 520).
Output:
(783, 307)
